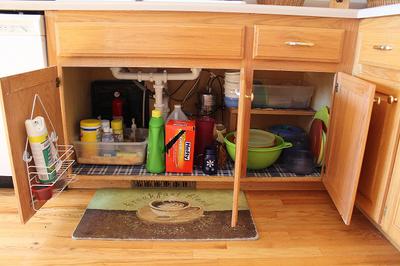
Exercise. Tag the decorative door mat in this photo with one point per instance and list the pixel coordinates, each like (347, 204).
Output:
(158, 214)
(275, 170)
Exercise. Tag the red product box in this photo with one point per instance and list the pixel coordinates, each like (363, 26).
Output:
(179, 139)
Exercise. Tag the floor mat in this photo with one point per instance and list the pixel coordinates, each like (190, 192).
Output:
(165, 214)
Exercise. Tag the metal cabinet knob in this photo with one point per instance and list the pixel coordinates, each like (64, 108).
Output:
(249, 96)
(377, 100)
(383, 47)
(391, 99)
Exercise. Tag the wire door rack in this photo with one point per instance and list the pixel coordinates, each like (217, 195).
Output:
(60, 169)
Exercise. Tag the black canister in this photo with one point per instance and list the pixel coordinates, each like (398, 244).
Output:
(210, 162)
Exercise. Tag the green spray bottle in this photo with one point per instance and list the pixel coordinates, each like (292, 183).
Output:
(155, 149)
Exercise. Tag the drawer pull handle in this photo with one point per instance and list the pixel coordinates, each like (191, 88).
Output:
(383, 47)
(377, 100)
(391, 99)
(306, 44)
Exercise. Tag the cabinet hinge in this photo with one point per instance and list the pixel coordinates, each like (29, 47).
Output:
(384, 211)
(58, 82)
(337, 87)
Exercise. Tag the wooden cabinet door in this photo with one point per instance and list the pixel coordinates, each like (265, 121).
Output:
(17, 94)
(391, 218)
(379, 156)
(348, 129)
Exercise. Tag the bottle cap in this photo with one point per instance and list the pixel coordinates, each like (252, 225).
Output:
(156, 113)
(105, 123)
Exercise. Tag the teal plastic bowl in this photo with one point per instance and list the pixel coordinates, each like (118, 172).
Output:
(258, 158)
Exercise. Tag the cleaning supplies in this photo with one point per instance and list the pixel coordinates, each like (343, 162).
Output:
(44, 155)
(179, 139)
(118, 130)
(90, 130)
(117, 106)
(155, 149)
(177, 114)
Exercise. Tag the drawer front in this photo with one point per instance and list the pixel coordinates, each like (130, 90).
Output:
(298, 43)
(379, 41)
(150, 40)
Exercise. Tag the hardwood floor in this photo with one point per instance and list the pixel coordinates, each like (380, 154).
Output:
(296, 228)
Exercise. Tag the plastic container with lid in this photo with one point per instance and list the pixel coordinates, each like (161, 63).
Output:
(90, 130)
(282, 96)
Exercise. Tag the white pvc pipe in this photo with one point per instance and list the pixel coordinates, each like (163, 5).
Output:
(164, 77)
(159, 79)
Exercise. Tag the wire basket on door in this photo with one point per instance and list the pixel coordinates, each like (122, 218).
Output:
(373, 3)
(281, 2)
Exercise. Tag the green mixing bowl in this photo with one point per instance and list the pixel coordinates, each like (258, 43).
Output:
(259, 158)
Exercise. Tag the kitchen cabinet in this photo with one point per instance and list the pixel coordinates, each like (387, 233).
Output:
(379, 154)
(83, 57)
(376, 61)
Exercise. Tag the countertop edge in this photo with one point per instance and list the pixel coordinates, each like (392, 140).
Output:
(200, 7)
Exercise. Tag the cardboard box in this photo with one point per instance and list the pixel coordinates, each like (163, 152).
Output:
(179, 143)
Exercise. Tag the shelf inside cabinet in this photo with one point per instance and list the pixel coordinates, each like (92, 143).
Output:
(272, 111)
(274, 173)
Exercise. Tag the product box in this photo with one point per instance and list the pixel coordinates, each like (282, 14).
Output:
(179, 146)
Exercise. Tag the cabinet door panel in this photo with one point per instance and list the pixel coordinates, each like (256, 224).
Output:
(348, 129)
(17, 93)
(391, 219)
(379, 157)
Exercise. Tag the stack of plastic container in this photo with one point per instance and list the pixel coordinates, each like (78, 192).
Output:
(232, 88)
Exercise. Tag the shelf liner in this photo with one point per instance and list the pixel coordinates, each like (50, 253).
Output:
(275, 170)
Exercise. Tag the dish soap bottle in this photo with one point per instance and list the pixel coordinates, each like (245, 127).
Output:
(155, 150)
(177, 113)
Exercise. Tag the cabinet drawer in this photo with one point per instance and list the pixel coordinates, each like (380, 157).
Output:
(380, 42)
(149, 40)
(298, 43)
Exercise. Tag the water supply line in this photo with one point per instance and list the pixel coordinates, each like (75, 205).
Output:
(159, 79)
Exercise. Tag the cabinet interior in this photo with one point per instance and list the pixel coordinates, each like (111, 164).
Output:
(77, 96)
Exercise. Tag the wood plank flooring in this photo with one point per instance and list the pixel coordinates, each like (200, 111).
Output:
(296, 228)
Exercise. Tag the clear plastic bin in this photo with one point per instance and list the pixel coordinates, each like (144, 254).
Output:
(282, 96)
(114, 153)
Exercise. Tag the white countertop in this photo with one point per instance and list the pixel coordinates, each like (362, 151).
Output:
(200, 7)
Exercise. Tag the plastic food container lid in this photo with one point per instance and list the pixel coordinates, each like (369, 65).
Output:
(90, 123)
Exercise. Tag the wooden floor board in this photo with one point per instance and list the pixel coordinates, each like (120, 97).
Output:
(295, 227)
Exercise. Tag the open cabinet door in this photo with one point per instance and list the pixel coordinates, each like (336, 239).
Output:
(17, 94)
(348, 130)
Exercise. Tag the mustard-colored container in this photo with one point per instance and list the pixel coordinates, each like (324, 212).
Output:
(90, 132)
